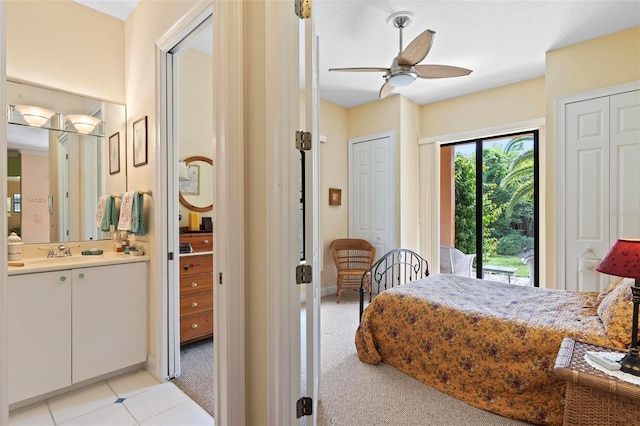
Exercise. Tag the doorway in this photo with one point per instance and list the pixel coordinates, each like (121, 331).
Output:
(190, 150)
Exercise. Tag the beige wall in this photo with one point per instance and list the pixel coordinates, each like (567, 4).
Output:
(503, 105)
(195, 98)
(602, 62)
(64, 45)
(144, 27)
(334, 173)
(407, 171)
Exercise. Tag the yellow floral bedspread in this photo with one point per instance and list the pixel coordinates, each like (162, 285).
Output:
(490, 344)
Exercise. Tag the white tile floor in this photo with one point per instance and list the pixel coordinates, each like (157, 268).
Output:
(133, 399)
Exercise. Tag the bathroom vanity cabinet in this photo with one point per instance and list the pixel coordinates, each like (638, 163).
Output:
(196, 287)
(68, 326)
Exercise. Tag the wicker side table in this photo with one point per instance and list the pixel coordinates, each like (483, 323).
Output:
(593, 397)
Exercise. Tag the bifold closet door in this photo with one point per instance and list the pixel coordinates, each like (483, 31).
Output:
(602, 137)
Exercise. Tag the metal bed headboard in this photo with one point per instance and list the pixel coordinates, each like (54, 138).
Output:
(397, 267)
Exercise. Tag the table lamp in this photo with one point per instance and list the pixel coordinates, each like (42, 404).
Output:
(623, 260)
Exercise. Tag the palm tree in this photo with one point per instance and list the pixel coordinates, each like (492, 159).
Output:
(520, 174)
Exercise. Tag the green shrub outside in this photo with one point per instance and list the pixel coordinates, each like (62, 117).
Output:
(513, 244)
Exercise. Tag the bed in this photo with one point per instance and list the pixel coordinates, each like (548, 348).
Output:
(490, 344)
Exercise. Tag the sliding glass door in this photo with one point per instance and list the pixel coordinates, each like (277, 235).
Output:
(489, 208)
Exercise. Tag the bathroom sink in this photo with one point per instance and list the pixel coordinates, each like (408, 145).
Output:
(64, 260)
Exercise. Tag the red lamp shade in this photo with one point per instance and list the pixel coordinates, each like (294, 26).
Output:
(623, 259)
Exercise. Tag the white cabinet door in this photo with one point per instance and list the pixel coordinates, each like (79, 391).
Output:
(39, 317)
(109, 319)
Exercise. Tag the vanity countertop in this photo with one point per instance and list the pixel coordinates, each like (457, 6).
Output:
(44, 264)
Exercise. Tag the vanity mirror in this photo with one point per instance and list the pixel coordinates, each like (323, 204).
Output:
(197, 169)
(58, 162)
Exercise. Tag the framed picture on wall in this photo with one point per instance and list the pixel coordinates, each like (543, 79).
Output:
(140, 142)
(191, 186)
(114, 153)
(335, 196)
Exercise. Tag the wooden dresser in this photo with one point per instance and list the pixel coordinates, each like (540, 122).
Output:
(196, 287)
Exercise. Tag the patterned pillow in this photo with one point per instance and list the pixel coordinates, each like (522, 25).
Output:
(614, 283)
(616, 311)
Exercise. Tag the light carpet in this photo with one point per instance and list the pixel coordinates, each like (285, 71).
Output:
(355, 393)
(351, 392)
(196, 380)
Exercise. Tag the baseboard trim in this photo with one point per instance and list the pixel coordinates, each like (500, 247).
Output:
(324, 291)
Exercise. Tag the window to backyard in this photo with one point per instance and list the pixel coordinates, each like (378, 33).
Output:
(489, 208)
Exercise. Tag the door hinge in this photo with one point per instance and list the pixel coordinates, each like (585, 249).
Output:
(304, 407)
(303, 274)
(303, 140)
(303, 9)
(220, 278)
(170, 257)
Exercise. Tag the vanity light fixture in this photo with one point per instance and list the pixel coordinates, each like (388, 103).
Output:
(84, 123)
(35, 116)
(183, 175)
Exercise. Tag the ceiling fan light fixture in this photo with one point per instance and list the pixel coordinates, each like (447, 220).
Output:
(35, 116)
(401, 79)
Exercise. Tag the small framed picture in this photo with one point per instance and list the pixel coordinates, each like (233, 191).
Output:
(114, 153)
(140, 142)
(335, 197)
(191, 186)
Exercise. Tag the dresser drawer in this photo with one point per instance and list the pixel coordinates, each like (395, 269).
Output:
(195, 327)
(199, 242)
(196, 264)
(196, 303)
(196, 284)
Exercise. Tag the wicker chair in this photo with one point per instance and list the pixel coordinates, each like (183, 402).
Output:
(352, 257)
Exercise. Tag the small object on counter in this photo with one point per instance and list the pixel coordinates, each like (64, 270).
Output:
(194, 221)
(16, 264)
(92, 252)
(127, 250)
(15, 247)
(135, 251)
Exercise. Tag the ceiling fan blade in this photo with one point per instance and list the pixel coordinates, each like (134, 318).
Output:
(440, 71)
(417, 50)
(362, 69)
(385, 90)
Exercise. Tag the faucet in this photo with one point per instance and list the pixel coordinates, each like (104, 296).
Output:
(63, 251)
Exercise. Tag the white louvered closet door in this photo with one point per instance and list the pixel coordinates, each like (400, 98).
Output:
(602, 138)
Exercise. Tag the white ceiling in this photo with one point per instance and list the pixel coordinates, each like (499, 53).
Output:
(502, 41)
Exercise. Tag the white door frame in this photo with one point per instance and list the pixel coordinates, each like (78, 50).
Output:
(4, 352)
(228, 158)
(166, 174)
(391, 222)
(561, 104)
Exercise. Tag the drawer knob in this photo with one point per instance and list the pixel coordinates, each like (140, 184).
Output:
(194, 325)
(194, 285)
(191, 265)
(194, 304)
(206, 241)
(81, 275)
(63, 279)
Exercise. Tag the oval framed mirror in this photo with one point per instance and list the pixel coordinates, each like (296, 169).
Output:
(192, 194)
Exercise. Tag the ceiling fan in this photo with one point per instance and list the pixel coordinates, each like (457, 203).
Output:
(404, 68)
